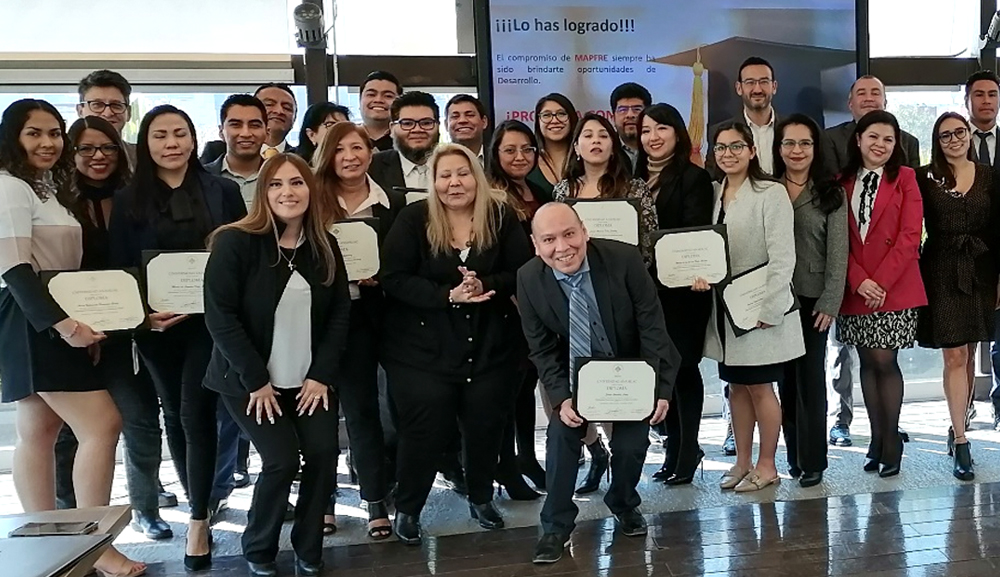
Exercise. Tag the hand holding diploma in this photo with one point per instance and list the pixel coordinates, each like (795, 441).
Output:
(78, 335)
(568, 415)
(662, 406)
(163, 321)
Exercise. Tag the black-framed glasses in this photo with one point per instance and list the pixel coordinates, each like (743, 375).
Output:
(88, 151)
(735, 147)
(513, 151)
(626, 109)
(549, 116)
(789, 144)
(959, 133)
(98, 106)
(408, 124)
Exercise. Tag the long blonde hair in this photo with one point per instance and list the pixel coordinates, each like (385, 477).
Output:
(260, 219)
(487, 209)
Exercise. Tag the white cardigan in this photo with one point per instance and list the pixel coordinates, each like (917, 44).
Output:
(761, 228)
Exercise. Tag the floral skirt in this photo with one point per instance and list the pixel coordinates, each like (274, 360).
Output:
(881, 330)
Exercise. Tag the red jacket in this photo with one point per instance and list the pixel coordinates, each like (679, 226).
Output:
(889, 254)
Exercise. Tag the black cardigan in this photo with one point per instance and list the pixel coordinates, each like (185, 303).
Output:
(372, 301)
(422, 329)
(244, 280)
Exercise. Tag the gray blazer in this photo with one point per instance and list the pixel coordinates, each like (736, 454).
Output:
(820, 252)
(760, 224)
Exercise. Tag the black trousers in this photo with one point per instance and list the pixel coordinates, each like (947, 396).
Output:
(428, 405)
(136, 401)
(279, 445)
(803, 398)
(358, 391)
(520, 427)
(684, 420)
(177, 360)
(562, 454)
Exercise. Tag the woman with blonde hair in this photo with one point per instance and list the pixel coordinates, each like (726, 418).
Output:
(449, 268)
(277, 307)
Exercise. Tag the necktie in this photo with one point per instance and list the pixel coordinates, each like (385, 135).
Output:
(868, 197)
(983, 156)
(268, 152)
(579, 323)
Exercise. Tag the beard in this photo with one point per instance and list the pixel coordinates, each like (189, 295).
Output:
(417, 155)
(749, 102)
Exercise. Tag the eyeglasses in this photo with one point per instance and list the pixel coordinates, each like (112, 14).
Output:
(735, 147)
(762, 82)
(98, 106)
(513, 150)
(626, 109)
(89, 151)
(959, 133)
(408, 124)
(789, 144)
(547, 116)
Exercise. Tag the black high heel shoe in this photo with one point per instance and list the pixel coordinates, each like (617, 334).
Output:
(873, 457)
(963, 462)
(487, 515)
(686, 479)
(532, 470)
(377, 511)
(892, 468)
(193, 563)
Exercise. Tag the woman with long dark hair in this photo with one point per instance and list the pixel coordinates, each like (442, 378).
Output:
(820, 273)
(318, 119)
(173, 204)
(556, 120)
(47, 358)
(683, 195)
(760, 224)
(884, 288)
(959, 267)
(277, 308)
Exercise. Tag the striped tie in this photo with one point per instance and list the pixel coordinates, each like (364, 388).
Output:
(579, 323)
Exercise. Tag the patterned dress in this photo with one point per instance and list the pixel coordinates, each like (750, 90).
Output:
(648, 221)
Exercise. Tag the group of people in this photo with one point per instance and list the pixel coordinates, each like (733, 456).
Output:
(489, 283)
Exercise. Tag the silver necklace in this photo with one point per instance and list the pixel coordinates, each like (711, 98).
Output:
(291, 264)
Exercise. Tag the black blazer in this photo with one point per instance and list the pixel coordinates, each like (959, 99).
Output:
(683, 200)
(630, 311)
(129, 237)
(836, 139)
(387, 170)
(422, 329)
(244, 280)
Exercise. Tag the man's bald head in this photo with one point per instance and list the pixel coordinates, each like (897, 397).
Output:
(560, 237)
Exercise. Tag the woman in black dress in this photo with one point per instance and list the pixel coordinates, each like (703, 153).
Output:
(959, 268)
(173, 204)
(683, 196)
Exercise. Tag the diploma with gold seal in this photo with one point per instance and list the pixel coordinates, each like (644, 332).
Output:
(359, 242)
(609, 218)
(614, 389)
(175, 281)
(105, 300)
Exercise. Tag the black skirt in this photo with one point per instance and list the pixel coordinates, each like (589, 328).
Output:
(38, 362)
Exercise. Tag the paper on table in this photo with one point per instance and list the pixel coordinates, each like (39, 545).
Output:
(614, 219)
(683, 256)
(615, 390)
(175, 282)
(359, 244)
(107, 300)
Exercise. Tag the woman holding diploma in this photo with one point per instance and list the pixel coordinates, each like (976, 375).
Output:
(760, 223)
(959, 267)
(820, 273)
(277, 307)
(346, 190)
(884, 288)
(556, 120)
(683, 195)
(449, 269)
(173, 204)
(47, 358)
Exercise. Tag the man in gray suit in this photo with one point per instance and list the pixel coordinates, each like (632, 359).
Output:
(867, 94)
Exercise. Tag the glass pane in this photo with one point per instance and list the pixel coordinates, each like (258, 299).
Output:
(923, 27)
(400, 27)
(917, 108)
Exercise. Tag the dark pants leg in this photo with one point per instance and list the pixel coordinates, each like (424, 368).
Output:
(390, 424)
(358, 389)
(562, 455)
(843, 383)
(162, 356)
(803, 398)
(683, 420)
(995, 357)
(524, 415)
(228, 455)
(484, 405)
(628, 453)
(279, 445)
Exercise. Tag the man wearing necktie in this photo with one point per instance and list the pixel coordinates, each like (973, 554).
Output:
(982, 99)
(582, 298)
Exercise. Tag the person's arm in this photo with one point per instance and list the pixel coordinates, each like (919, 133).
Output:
(698, 200)
(225, 283)
(835, 273)
(779, 237)
(330, 348)
(905, 250)
(654, 341)
(401, 260)
(543, 348)
(515, 250)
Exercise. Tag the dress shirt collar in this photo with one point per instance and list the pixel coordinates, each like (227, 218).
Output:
(584, 268)
(375, 196)
(408, 166)
(282, 146)
(226, 169)
(770, 123)
(864, 172)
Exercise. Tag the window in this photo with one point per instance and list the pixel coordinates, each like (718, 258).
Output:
(396, 27)
(917, 108)
(923, 27)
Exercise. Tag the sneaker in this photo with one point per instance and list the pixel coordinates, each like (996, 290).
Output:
(840, 436)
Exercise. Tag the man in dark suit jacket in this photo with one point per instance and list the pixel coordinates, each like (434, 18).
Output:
(867, 94)
(415, 132)
(626, 321)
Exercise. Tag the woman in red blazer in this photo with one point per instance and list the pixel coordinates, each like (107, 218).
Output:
(884, 287)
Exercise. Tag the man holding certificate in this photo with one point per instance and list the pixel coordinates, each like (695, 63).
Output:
(588, 299)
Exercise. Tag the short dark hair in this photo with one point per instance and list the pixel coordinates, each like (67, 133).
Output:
(981, 75)
(459, 98)
(754, 61)
(382, 75)
(630, 90)
(241, 100)
(278, 85)
(415, 98)
(105, 79)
